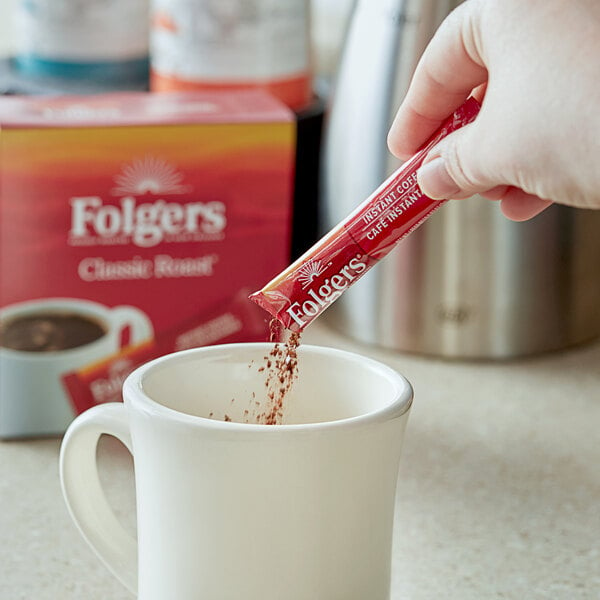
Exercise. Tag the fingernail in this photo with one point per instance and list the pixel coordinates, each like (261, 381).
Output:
(435, 182)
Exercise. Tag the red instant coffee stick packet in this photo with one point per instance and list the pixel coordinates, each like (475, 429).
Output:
(320, 276)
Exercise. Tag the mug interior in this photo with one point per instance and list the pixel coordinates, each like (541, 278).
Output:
(225, 383)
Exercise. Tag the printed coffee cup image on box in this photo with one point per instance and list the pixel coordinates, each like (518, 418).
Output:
(40, 341)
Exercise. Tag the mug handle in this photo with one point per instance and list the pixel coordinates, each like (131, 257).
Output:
(83, 493)
(141, 326)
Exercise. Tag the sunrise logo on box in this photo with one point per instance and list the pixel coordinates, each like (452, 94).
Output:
(146, 221)
(149, 175)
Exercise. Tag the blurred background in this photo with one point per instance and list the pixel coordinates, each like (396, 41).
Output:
(328, 25)
(467, 284)
(6, 30)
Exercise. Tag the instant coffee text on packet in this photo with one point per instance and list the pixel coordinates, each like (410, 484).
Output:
(319, 277)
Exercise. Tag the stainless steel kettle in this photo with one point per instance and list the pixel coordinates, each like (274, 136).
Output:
(468, 283)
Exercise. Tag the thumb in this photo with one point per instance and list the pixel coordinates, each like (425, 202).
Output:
(455, 167)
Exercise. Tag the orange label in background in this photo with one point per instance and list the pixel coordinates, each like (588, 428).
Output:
(296, 91)
(233, 45)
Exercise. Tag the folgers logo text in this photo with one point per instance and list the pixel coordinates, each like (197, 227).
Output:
(145, 224)
(149, 222)
(319, 297)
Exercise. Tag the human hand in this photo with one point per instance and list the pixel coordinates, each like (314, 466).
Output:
(536, 67)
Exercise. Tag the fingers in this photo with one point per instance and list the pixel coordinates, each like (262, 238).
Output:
(518, 205)
(496, 193)
(515, 204)
(450, 68)
(435, 181)
(460, 165)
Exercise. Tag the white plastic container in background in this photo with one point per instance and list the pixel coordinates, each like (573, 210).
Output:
(232, 44)
(329, 23)
(73, 39)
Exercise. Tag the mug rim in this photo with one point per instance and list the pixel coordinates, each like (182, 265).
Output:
(52, 304)
(135, 396)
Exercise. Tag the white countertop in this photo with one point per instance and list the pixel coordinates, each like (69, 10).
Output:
(498, 497)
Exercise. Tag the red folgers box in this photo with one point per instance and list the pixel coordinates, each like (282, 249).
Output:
(131, 225)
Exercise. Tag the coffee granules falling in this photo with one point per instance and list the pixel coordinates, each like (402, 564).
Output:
(281, 368)
(275, 330)
(280, 371)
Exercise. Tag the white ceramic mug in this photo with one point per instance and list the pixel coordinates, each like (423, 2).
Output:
(231, 511)
(33, 400)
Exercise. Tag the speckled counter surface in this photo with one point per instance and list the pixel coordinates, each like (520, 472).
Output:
(498, 496)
